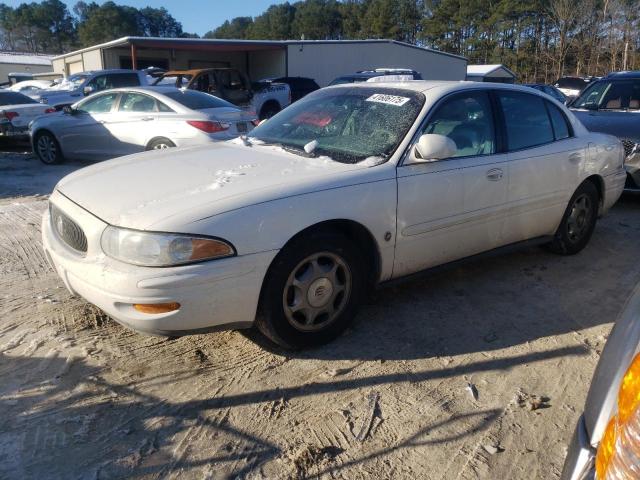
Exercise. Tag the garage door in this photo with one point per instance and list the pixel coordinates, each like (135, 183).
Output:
(74, 67)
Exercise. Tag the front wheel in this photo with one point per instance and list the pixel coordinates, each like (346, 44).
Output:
(312, 291)
(47, 148)
(578, 222)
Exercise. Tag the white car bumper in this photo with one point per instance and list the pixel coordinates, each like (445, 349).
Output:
(613, 186)
(215, 295)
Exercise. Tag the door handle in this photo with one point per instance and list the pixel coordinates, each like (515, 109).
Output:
(146, 119)
(102, 122)
(495, 174)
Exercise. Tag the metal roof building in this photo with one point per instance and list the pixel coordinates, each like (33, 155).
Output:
(23, 63)
(322, 60)
(490, 73)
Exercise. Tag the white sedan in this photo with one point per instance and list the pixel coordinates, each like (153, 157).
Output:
(352, 186)
(129, 120)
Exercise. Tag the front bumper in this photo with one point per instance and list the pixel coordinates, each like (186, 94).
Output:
(579, 463)
(214, 295)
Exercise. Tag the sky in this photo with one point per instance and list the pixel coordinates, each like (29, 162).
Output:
(196, 16)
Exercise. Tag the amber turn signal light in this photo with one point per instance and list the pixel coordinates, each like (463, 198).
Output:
(156, 307)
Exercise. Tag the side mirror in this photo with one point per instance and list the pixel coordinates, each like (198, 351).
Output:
(432, 147)
(68, 110)
(88, 90)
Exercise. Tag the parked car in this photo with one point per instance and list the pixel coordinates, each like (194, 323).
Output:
(16, 77)
(612, 105)
(300, 86)
(79, 85)
(605, 443)
(30, 88)
(366, 75)
(128, 120)
(571, 86)
(351, 186)
(549, 90)
(17, 111)
(233, 86)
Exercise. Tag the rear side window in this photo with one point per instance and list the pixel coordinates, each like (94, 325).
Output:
(526, 120)
(197, 100)
(136, 102)
(124, 80)
(14, 98)
(559, 122)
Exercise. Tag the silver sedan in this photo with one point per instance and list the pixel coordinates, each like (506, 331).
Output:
(128, 120)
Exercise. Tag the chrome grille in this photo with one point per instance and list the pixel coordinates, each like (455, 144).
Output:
(67, 230)
(630, 147)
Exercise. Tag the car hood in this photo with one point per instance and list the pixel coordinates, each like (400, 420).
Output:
(618, 124)
(174, 187)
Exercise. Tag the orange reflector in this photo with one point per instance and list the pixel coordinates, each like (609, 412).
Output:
(156, 307)
(605, 449)
(629, 394)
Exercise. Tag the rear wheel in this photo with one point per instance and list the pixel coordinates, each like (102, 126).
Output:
(312, 291)
(47, 148)
(269, 110)
(578, 222)
(160, 144)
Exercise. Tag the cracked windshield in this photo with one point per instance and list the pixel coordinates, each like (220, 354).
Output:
(346, 124)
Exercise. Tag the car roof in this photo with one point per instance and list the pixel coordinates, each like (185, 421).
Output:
(626, 74)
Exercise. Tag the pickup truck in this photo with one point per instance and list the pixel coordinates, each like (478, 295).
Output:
(266, 99)
(82, 84)
(17, 111)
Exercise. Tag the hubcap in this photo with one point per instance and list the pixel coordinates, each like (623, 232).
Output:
(579, 218)
(317, 291)
(47, 148)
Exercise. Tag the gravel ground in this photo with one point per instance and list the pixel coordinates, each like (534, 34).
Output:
(83, 397)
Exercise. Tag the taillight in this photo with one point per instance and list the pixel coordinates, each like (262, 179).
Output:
(208, 127)
(50, 110)
(619, 450)
(11, 115)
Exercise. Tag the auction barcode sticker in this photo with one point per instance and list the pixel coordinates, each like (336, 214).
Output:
(388, 99)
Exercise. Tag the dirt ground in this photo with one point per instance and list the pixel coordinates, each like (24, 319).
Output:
(82, 397)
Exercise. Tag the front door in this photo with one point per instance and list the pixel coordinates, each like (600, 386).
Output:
(452, 208)
(86, 134)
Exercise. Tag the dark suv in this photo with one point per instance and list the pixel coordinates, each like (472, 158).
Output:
(612, 105)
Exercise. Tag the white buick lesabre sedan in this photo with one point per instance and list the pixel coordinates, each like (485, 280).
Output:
(352, 186)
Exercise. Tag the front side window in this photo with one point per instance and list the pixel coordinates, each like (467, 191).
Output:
(136, 102)
(98, 104)
(467, 120)
(346, 124)
(610, 95)
(526, 120)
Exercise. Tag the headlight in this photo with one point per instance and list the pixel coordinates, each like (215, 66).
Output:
(151, 249)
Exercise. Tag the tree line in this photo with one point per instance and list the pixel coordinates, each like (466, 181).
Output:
(539, 39)
(49, 26)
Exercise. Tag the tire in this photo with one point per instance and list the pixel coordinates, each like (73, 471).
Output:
(312, 291)
(269, 110)
(578, 221)
(47, 148)
(160, 144)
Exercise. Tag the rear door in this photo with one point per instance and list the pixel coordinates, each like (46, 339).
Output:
(455, 207)
(544, 159)
(134, 123)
